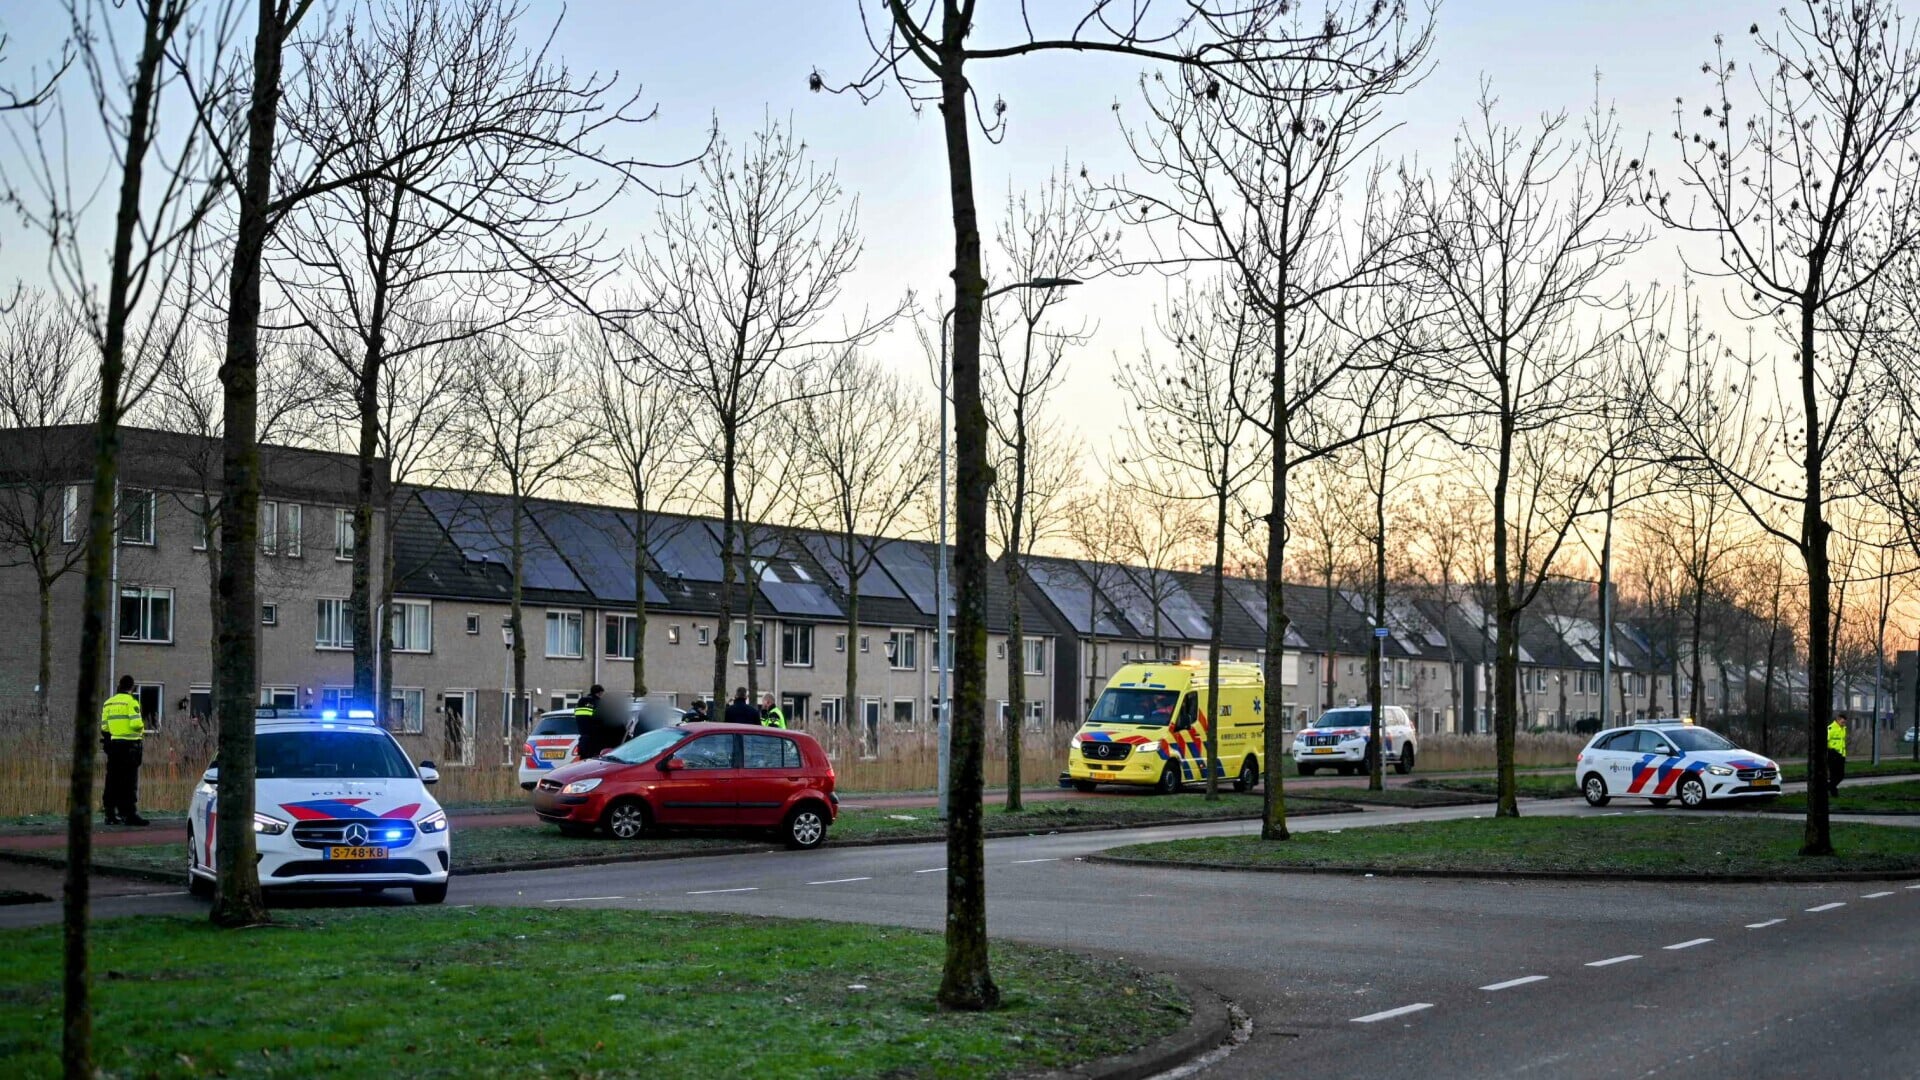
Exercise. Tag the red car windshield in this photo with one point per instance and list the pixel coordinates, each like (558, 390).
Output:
(647, 747)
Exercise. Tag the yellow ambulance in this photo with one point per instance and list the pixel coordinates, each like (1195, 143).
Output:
(1149, 728)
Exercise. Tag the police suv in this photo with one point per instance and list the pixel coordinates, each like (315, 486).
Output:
(1340, 739)
(336, 804)
(1663, 760)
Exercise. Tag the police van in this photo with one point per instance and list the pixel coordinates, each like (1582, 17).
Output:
(1149, 728)
(336, 805)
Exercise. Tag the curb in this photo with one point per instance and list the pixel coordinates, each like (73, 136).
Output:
(1209, 1025)
(1525, 875)
(138, 873)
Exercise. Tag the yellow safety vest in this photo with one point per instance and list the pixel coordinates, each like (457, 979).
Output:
(1837, 738)
(120, 718)
(774, 718)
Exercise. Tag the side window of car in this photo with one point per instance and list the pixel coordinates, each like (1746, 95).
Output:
(763, 752)
(708, 752)
(1657, 744)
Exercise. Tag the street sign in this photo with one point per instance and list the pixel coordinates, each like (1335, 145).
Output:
(1379, 631)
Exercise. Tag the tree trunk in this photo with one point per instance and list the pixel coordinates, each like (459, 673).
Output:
(517, 709)
(850, 720)
(1375, 777)
(1506, 671)
(1016, 679)
(1818, 838)
(367, 401)
(966, 980)
(640, 531)
(1214, 637)
(729, 529)
(385, 681)
(1273, 819)
(1697, 693)
(236, 678)
(43, 678)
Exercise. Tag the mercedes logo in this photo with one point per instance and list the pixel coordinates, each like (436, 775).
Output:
(356, 835)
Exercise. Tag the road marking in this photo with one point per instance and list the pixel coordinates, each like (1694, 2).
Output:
(1511, 983)
(935, 870)
(181, 892)
(1688, 944)
(1877, 895)
(839, 881)
(710, 892)
(1613, 960)
(580, 899)
(1828, 907)
(1022, 862)
(1913, 886)
(1764, 925)
(1391, 1013)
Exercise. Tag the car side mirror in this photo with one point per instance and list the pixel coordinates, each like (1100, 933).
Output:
(673, 763)
(429, 774)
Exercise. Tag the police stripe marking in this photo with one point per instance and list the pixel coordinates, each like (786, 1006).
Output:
(1511, 983)
(1391, 1013)
(1611, 960)
(1877, 895)
(710, 892)
(1828, 907)
(840, 881)
(1764, 925)
(579, 899)
(1687, 944)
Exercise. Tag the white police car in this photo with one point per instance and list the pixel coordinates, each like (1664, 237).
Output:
(1663, 760)
(336, 804)
(1338, 740)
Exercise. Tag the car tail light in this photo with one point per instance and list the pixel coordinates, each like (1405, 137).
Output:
(527, 749)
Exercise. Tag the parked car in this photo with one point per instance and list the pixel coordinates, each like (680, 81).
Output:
(1339, 740)
(697, 776)
(1665, 760)
(555, 738)
(336, 804)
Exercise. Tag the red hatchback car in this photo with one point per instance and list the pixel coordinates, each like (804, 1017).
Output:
(697, 776)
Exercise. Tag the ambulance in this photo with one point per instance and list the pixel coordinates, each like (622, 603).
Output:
(1149, 729)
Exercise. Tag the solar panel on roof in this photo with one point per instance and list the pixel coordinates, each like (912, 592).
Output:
(1072, 592)
(1251, 595)
(799, 598)
(912, 569)
(482, 526)
(1140, 594)
(599, 543)
(684, 547)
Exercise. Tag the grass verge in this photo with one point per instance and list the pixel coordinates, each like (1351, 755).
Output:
(1525, 785)
(1901, 798)
(1685, 845)
(451, 992)
(1798, 771)
(1393, 796)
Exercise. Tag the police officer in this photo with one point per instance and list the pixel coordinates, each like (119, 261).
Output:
(1836, 753)
(696, 713)
(595, 734)
(770, 714)
(741, 711)
(123, 729)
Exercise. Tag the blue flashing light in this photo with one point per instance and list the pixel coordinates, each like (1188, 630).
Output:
(391, 834)
(359, 714)
(329, 714)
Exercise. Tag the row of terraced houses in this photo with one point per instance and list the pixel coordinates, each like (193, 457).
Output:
(451, 674)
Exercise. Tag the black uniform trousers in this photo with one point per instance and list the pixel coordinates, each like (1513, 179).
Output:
(122, 796)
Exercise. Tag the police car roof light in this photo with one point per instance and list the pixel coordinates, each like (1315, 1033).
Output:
(359, 714)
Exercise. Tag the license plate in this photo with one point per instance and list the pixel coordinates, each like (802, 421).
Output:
(1323, 749)
(553, 755)
(1763, 782)
(356, 853)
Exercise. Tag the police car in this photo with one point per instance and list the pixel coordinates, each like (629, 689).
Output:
(1338, 740)
(1663, 760)
(555, 738)
(336, 804)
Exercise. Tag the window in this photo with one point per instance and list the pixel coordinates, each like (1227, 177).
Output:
(332, 628)
(830, 712)
(280, 697)
(840, 643)
(336, 698)
(136, 516)
(622, 637)
(1400, 676)
(412, 627)
(903, 712)
(146, 614)
(291, 536)
(1036, 650)
(473, 623)
(269, 614)
(673, 635)
(202, 523)
(200, 703)
(865, 645)
(740, 639)
(270, 528)
(343, 535)
(945, 655)
(406, 710)
(70, 514)
(900, 653)
(708, 752)
(796, 645)
(768, 752)
(153, 704)
(566, 634)
(705, 635)
(1036, 715)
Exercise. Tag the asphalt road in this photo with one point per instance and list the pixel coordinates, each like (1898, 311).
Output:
(1375, 977)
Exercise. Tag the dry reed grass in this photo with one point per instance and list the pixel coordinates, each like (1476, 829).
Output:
(1459, 753)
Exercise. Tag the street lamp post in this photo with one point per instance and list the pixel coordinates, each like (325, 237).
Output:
(940, 569)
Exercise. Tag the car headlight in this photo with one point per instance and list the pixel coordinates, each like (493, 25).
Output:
(435, 822)
(580, 787)
(269, 826)
(1719, 770)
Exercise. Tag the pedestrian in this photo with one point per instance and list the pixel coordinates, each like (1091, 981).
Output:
(1836, 753)
(696, 713)
(770, 714)
(741, 711)
(596, 734)
(123, 729)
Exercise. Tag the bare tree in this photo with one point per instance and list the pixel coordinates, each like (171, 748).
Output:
(868, 448)
(1517, 245)
(737, 284)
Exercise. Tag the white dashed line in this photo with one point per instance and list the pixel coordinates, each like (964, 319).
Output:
(1877, 895)
(1913, 886)
(1828, 907)
(1391, 1013)
(1764, 925)
(839, 881)
(580, 899)
(1511, 983)
(710, 892)
(1611, 960)
(1687, 944)
(934, 870)
(1022, 862)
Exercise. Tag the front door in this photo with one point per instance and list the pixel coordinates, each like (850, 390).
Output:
(769, 774)
(457, 710)
(702, 792)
